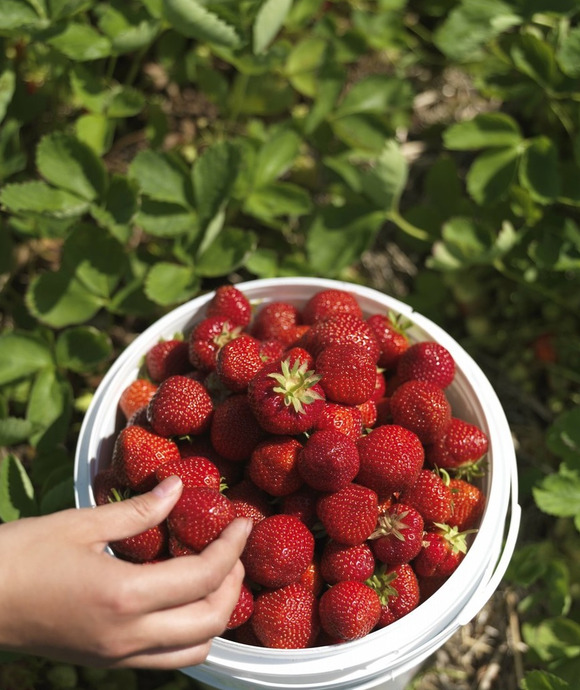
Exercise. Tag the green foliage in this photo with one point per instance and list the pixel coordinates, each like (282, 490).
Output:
(152, 149)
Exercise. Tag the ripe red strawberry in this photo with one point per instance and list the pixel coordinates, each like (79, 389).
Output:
(348, 373)
(199, 516)
(230, 302)
(350, 515)
(392, 339)
(146, 546)
(330, 302)
(177, 548)
(339, 562)
(427, 361)
(278, 551)
(286, 399)
(347, 419)
(271, 350)
(107, 487)
(295, 353)
(234, 429)
(193, 471)
(201, 446)
(341, 329)
(301, 504)
(380, 388)
(461, 447)
(430, 495)
(207, 338)
(328, 461)
(399, 535)
(135, 396)
(369, 414)
(398, 590)
(278, 321)
(167, 358)
(391, 457)
(422, 407)
(286, 618)
(238, 361)
(180, 406)
(139, 418)
(249, 501)
(311, 578)
(273, 465)
(349, 610)
(137, 453)
(243, 609)
(467, 504)
(443, 550)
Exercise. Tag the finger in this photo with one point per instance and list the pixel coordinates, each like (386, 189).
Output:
(130, 517)
(182, 580)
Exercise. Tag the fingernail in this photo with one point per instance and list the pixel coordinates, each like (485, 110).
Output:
(168, 486)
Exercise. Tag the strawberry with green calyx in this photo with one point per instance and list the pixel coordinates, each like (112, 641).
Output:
(462, 447)
(330, 302)
(350, 515)
(135, 396)
(348, 373)
(193, 471)
(273, 465)
(230, 302)
(180, 406)
(199, 516)
(467, 504)
(347, 419)
(234, 429)
(444, 547)
(286, 617)
(427, 361)
(422, 407)
(137, 454)
(349, 610)
(243, 609)
(398, 536)
(390, 332)
(286, 399)
(167, 358)
(278, 551)
(398, 590)
(328, 461)
(430, 495)
(207, 338)
(340, 562)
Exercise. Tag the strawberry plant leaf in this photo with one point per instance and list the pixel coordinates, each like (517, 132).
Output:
(385, 181)
(80, 42)
(366, 132)
(14, 430)
(49, 408)
(378, 94)
(128, 28)
(18, 15)
(96, 131)
(229, 250)
(17, 497)
(278, 199)
(169, 283)
(7, 83)
(485, 130)
(82, 349)
(303, 62)
(539, 172)
(58, 497)
(68, 164)
(491, 175)
(193, 20)
(21, 355)
(164, 219)
(568, 53)
(119, 207)
(268, 22)
(535, 58)
(276, 156)
(543, 680)
(37, 197)
(558, 494)
(162, 176)
(553, 639)
(12, 156)
(213, 176)
(59, 9)
(563, 437)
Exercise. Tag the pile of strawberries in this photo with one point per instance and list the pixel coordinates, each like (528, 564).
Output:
(333, 432)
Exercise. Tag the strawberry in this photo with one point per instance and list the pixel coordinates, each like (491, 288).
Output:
(443, 550)
(278, 551)
(286, 617)
(427, 361)
(230, 302)
(135, 396)
(180, 406)
(107, 487)
(398, 590)
(139, 418)
(348, 373)
(167, 358)
(391, 457)
(328, 461)
(344, 418)
(399, 534)
(467, 504)
(392, 339)
(330, 302)
(207, 338)
(234, 430)
(193, 471)
(273, 465)
(295, 353)
(278, 321)
(146, 546)
(422, 407)
(177, 548)
(199, 516)
(459, 448)
(201, 446)
(249, 501)
(342, 329)
(430, 495)
(340, 562)
(369, 414)
(137, 454)
(238, 361)
(271, 350)
(243, 609)
(302, 504)
(312, 579)
(286, 399)
(350, 515)
(380, 386)
(349, 610)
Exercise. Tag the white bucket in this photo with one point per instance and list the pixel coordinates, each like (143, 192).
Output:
(386, 658)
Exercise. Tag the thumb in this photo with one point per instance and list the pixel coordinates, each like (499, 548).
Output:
(137, 514)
